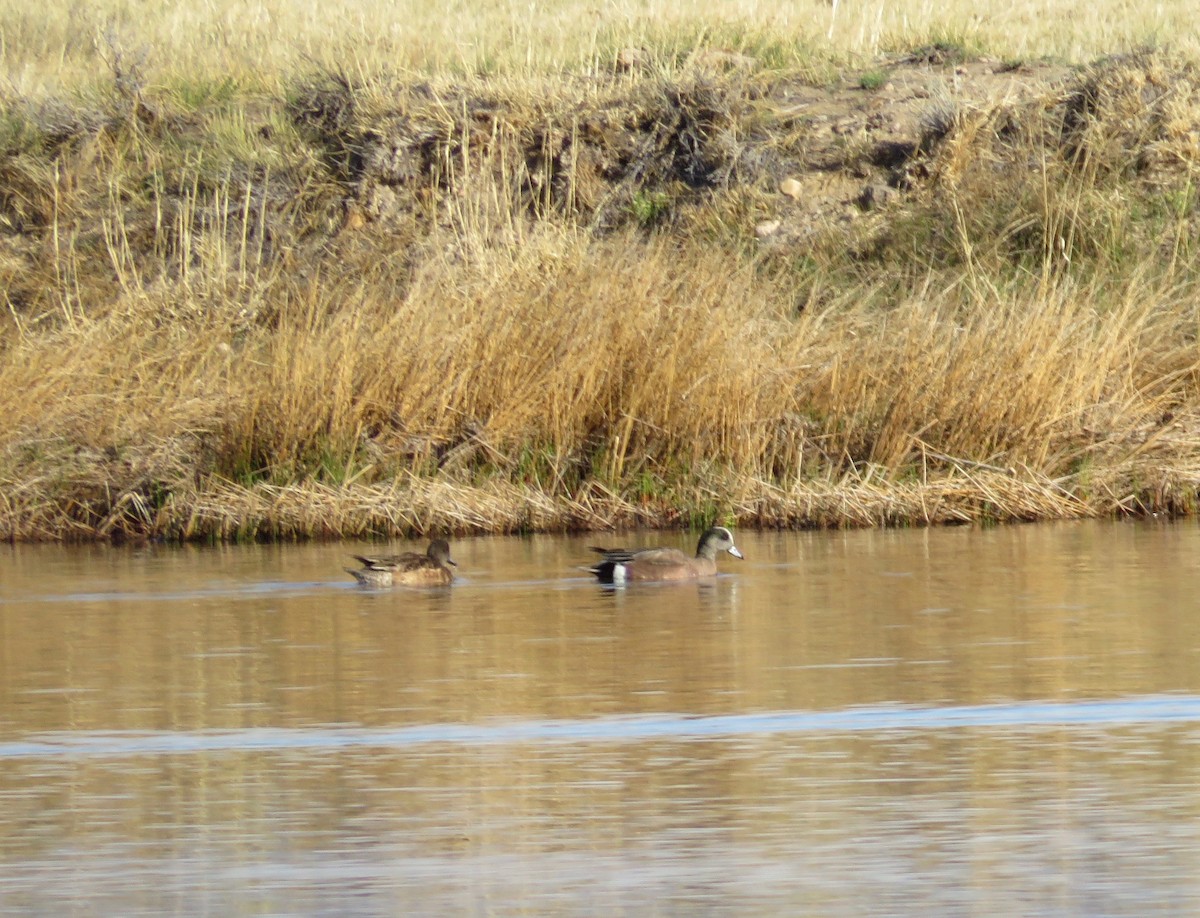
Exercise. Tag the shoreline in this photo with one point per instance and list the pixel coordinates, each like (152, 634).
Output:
(939, 289)
(423, 507)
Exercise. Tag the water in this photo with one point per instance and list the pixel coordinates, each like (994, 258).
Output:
(946, 722)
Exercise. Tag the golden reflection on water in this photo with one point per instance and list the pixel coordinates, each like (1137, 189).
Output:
(258, 639)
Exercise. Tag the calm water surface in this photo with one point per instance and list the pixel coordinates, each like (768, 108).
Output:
(947, 722)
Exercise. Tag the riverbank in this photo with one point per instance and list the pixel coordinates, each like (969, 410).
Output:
(939, 287)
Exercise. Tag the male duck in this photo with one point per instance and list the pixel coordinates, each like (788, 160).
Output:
(622, 565)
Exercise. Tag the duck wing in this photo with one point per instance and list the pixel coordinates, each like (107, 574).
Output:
(405, 561)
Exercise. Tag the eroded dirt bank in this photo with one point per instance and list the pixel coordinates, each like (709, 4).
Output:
(224, 313)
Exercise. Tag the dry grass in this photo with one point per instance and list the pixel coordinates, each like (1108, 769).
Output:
(513, 304)
(49, 46)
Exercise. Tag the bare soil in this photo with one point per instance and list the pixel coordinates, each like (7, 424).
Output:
(643, 148)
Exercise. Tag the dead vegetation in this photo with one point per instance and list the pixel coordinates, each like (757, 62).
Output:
(944, 290)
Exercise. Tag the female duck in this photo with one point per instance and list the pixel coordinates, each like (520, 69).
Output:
(429, 569)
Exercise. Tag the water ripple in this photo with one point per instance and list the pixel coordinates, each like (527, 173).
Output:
(1162, 709)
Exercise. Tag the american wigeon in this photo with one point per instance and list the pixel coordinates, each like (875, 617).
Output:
(429, 569)
(621, 565)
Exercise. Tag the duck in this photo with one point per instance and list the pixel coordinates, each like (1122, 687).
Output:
(623, 565)
(429, 569)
